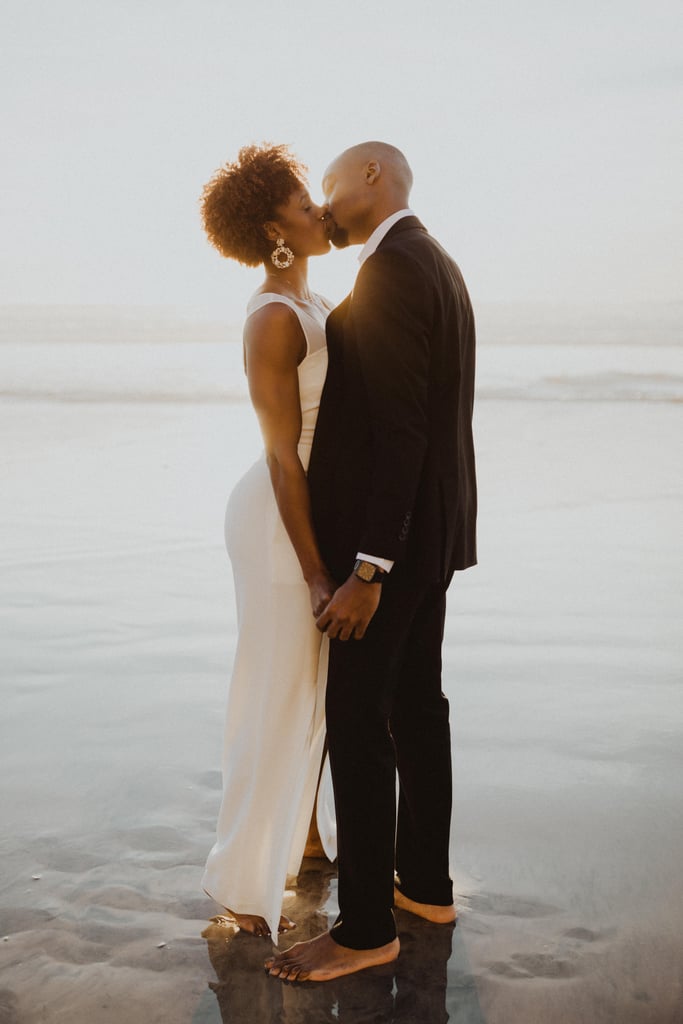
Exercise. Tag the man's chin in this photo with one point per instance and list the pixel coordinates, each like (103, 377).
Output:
(339, 238)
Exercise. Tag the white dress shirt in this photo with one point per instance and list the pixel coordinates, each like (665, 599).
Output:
(380, 231)
(367, 250)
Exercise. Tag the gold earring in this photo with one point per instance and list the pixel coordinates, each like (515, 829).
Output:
(281, 256)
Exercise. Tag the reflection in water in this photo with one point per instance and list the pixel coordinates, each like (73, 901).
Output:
(414, 990)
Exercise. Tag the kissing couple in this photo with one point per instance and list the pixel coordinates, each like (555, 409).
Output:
(343, 538)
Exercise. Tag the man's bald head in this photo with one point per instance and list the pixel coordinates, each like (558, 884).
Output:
(391, 161)
(364, 185)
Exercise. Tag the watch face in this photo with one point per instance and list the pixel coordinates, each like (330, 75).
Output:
(366, 571)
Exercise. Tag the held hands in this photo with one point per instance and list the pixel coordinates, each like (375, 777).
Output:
(321, 587)
(350, 610)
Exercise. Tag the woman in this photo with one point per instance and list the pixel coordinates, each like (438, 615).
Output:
(258, 211)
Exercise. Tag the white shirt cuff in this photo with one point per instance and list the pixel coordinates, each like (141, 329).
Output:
(383, 563)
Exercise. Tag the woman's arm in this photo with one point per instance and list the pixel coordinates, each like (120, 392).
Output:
(274, 346)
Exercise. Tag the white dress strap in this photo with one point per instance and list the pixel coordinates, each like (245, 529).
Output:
(312, 318)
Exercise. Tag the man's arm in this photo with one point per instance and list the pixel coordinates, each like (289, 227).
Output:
(392, 328)
(392, 332)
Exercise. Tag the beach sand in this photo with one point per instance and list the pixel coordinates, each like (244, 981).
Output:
(561, 662)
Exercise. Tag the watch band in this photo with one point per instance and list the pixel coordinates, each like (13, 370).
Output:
(368, 572)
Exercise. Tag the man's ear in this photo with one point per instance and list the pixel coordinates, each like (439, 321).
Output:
(372, 172)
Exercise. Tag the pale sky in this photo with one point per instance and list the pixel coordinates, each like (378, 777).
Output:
(542, 135)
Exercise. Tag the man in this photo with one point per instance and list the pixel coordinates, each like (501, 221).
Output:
(393, 492)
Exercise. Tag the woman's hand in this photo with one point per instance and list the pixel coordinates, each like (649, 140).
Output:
(321, 587)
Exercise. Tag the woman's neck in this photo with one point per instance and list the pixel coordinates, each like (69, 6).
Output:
(293, 281)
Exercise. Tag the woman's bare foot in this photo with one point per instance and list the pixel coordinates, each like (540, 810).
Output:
(253, 923)
(429, 911)
(323, 959)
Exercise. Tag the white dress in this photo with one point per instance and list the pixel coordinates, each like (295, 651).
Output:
(275, 720)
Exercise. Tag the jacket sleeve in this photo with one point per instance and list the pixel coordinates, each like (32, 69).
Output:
(391, 324)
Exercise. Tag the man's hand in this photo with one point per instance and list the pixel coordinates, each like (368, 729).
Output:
(349, 612)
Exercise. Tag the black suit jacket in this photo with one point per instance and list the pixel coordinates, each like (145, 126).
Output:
(392, 467)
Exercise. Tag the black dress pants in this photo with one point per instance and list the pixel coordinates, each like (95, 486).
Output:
(386, 711)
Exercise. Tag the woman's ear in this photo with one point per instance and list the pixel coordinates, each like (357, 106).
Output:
(272, 231)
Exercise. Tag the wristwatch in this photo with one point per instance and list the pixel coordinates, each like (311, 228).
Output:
(368, 572)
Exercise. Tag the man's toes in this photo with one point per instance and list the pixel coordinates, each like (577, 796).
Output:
(276, 968)
(294, 972)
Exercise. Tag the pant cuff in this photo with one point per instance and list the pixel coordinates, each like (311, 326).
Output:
(363, 936)
(440, 895)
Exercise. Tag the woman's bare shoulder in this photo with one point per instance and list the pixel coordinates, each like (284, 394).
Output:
(273, 329)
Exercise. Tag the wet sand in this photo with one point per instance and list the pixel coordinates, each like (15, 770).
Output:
(562, 664)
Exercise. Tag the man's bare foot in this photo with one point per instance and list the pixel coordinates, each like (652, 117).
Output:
(253, 923)
(323, 959)
(429, 911)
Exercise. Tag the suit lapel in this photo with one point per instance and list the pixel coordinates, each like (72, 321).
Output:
(334, 325)
(337, 321)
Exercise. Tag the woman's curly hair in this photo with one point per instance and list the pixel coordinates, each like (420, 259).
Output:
(243, 195)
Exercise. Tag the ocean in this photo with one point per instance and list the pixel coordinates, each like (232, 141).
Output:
(123, 432)
(129, 354)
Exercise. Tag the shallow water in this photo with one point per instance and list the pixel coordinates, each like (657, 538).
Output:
(562, 664)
